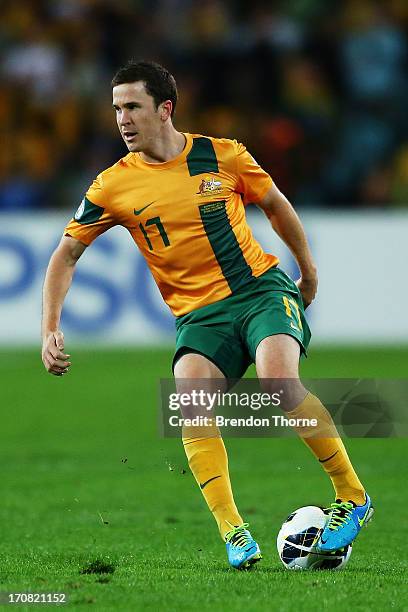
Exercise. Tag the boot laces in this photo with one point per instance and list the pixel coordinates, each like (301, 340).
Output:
(238, 536)
(340, 513)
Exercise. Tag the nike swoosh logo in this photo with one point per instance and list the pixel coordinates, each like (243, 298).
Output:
(328, 458)
(323, 541)
(138, 212)
(207, 481)
(362, 521)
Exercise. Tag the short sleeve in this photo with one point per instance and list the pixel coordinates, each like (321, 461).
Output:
(92, 217)
(252, 181)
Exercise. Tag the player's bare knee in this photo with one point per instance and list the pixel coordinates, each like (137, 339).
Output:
(290, 391)
(196, 379)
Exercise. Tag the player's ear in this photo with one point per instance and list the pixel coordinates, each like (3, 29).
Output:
(165, 109)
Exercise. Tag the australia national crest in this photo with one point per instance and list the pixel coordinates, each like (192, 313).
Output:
(209, 186)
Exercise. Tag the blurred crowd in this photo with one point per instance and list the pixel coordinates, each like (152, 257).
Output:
(316, 89)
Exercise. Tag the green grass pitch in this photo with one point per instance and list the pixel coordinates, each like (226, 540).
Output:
(96, 505)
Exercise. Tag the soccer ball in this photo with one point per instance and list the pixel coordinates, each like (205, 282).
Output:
(297, 540)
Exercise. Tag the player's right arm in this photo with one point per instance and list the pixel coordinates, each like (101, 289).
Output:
(58, 280)
(92, 218)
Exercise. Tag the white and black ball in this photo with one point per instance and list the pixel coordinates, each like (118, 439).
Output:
(297, 541)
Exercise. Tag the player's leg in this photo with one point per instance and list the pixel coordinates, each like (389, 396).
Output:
(208, 460)
(277, 356)
(204, 446)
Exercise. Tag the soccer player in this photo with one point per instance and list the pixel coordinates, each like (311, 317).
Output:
(182, 197)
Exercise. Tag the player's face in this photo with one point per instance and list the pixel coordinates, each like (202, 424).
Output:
(138, 120)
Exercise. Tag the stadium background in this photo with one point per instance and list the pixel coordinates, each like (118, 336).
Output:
(317, 90)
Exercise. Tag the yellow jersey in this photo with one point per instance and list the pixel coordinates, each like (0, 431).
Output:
(187, 216)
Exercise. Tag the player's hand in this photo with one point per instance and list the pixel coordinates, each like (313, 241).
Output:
(53, 356)
(308, 288)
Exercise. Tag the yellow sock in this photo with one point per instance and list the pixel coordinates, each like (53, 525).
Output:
(208, 462)
(329, 449)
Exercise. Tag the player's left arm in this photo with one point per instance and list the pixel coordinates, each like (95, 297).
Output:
(288, 226)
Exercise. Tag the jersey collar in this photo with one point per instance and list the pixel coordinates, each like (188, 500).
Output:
(179, 159)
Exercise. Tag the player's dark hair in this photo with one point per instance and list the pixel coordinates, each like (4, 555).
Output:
(159, 83)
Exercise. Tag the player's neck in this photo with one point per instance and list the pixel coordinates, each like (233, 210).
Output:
(169, 146)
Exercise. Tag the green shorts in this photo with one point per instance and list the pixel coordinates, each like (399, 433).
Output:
(228, 332)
